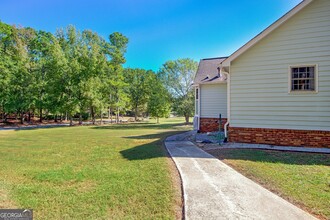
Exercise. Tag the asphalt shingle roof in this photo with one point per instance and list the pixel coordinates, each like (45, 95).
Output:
(207, 71)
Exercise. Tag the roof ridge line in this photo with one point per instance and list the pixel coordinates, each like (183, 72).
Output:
(214, 58)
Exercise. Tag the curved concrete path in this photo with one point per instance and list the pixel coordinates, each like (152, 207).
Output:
(213, 190)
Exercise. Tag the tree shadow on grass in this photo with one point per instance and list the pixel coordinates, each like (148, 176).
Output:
(145, 151)
(157, 148)
(161, 136)
(150, 150)
(270, 156)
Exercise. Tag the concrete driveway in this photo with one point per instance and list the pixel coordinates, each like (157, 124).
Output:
(213, 190)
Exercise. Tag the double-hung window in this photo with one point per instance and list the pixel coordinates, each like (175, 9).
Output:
(303, 78)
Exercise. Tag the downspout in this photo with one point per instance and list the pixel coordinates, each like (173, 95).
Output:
(228, 102)
(199, 107)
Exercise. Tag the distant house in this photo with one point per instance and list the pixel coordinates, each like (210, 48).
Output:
(211, 95)
(278, 84)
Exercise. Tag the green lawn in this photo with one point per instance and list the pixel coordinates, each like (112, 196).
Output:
(302, 178)
(106, 172)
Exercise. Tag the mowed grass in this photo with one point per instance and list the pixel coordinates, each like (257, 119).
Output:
(105, 172)
(302, 178)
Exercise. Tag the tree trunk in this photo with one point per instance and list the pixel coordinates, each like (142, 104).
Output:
(55, 119)
(66, 116)
(29, 116)
(93, 115)
(22, 118)
(80, 119)
(110, 116)
(71, 121)
(117, 116)
(109, 113)
(187, 119)
(61, 117)
(40, 115)
(5, 118)
(101, 122)
(157, 120)
(136, 112)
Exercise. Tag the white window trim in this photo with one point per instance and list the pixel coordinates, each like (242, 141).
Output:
(316, 79)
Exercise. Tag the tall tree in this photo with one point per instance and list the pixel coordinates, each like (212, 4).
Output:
(69, 41)
(159, 103)
(42, 68)
(57, 67)
(94, 65)
(140, 83)
(6, 64)
(21, 98)
(178, 76)
(118, 97)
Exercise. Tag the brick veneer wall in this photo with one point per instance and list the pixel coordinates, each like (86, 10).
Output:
(285, 137)
(211, 124)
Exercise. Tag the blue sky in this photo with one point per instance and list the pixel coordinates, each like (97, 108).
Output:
(158, 30)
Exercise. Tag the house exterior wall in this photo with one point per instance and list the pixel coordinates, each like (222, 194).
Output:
(213, 98)
(259, 77)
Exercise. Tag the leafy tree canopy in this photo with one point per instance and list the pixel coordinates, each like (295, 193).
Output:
(178, 76)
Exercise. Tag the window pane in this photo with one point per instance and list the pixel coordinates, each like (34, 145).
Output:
(307, 87)
(303, 84)
(292, 84)
(295, 84)
(302, 69)
(294, 73)
(312, 84)
(311, 72)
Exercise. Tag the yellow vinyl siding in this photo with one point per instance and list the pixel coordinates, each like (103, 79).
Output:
(259, 77)
(213, 100)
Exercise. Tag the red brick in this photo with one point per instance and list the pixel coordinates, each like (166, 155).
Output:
(211, 124)
(285, 137)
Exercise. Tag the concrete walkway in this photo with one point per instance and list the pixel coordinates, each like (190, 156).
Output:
(213, 190)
